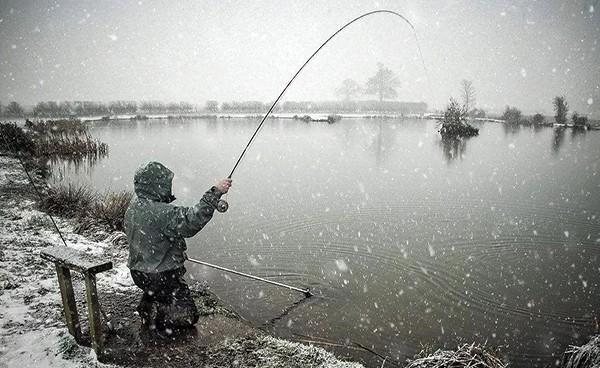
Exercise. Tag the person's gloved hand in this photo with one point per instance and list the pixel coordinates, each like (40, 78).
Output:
(223, 185)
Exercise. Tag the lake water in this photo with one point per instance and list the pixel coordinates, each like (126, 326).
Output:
(406, 240)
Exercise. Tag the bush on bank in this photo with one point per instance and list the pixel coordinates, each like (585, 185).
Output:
(87, 206)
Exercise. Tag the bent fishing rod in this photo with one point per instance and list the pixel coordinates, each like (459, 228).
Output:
(223, 206)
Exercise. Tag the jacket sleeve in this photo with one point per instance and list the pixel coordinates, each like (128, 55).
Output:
(187, 221)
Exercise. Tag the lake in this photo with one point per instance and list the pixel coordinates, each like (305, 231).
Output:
(404, 239)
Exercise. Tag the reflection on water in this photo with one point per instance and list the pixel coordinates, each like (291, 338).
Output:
(67, 165)
(558, 138)
(511, 128)
(453, 148)
(400, 247)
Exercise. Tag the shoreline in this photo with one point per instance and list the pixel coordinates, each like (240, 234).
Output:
(33, 328)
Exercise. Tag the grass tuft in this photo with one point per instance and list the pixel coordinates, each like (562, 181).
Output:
(466, 355)
(109, 210)
(584, 356)
(68, 201)
(88, 207)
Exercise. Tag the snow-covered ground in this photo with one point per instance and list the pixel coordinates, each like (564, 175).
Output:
(32, 331)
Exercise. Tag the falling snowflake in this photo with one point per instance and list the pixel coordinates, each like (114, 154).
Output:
(590, 101)
(431, 250)
(113, 37)
(341, 265)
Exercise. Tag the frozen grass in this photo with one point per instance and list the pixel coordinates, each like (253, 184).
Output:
(56, 127)
(585, 356)
(466, 355)
(62, 146)
(269, 352)
(64, 138)
(89, 208)
(68, 201)
(109, 210)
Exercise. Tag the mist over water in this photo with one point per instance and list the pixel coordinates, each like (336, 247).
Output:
(404, 238)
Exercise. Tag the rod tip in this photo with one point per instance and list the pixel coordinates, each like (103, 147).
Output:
(307, 293)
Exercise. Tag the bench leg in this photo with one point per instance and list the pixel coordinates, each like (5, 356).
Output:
(94, 319)
(68, 300)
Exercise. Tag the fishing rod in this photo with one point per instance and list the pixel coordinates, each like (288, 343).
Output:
(222, 205)
(307, 293)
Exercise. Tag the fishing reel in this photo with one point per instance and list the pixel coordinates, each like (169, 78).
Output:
(222, 205)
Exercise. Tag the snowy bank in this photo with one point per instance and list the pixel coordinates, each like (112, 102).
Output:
(33, 332)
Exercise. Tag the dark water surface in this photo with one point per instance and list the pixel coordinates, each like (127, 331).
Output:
(405, 239)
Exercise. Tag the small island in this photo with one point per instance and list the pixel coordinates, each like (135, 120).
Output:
(454, 122)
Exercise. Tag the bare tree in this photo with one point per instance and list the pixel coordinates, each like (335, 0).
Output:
(468, 94)
(383, 84)
(561, 108)
(349, 89)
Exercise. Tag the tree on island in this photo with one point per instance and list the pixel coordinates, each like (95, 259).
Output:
(468, 94)
(512, 115)
(579, 122)
(349, 89)
(383, 84)
(454, 123)
(561, 108)
(13, 109)
(538, 119)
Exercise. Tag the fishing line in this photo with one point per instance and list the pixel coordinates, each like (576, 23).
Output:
(311, 57)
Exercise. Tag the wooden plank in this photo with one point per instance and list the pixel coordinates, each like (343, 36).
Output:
(75, 260)
(68, 299)
(94, 319)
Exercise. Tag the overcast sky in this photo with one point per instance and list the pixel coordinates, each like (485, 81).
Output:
(521, 53)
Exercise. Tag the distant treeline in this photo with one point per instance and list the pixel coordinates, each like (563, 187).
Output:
(55, 109)
(91, 108)
(320, 106)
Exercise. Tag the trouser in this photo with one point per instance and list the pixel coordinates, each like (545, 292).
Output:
(167, 302)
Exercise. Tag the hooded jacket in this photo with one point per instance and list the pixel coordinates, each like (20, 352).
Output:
(156, 229)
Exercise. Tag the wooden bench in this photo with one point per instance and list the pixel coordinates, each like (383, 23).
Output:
(65, 260)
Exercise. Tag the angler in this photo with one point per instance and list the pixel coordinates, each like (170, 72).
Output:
(156, 232)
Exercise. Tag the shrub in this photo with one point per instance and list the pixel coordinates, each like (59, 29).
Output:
(333, 118)
(512, 115)
(579, 121)
(68, 201)
(89, 208)
(538, 119)
(110, 209)
(15, 139)
(454, 123)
